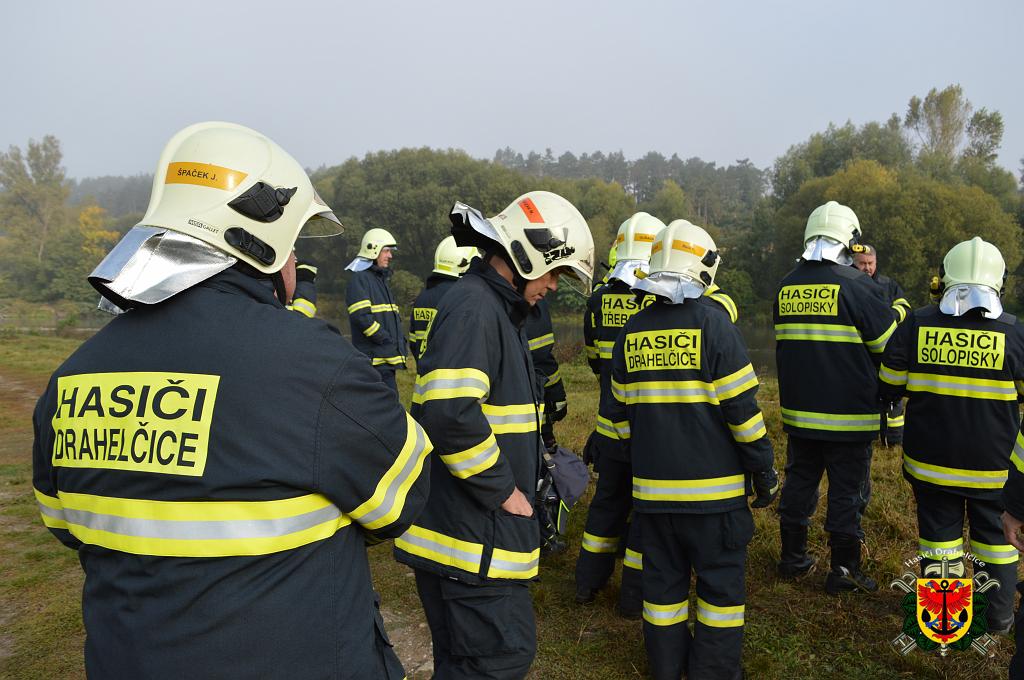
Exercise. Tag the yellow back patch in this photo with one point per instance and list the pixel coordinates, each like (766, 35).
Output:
(660, 350)
(617, 308)
(821, 299)
(961, 347)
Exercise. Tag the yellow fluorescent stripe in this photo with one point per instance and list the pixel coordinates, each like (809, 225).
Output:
(736, 383)
(438, 547)
(719, 617)
(892, 376)
(878, 344)
(599, 544)
(996, 554)
(666, 614)
(388, 500)
(840, 422)
(376, 309)
(304, 306)
(633, 559)
(451, 383)
(476, 459)
(817, 332)
(356, 306)
(542, 341)
(665, 392)
(554, 378)
(750, 430)
(716, 488)
(947, 476)
(371, 329)
(511, 564)
(957, 386)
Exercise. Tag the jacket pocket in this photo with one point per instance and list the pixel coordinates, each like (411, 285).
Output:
(515, 553)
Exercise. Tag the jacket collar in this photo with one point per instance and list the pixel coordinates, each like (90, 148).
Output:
(437, 279)
(516, 306)
(383, 272)
(235, 282)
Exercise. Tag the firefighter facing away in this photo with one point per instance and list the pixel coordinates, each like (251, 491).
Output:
(373, 315)
(960, 363)
(683, 406)
(450, 262)
(477, 544)
(217, 461)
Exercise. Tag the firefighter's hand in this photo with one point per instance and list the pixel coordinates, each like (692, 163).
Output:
(1011, 530)
(766, 488)
(517, 504)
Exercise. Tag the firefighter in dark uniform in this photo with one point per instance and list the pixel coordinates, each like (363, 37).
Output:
(960, 364)
(218, 462)
(477, 545)
(540, 335)
(373, 315)
(1013, 532)
(304, 300)
(831, 325)
(450, 262)
(608, 309)
(866, 259)
(683, 405)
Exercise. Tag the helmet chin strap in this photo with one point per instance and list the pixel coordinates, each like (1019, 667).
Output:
(518, 282)
(282, 293)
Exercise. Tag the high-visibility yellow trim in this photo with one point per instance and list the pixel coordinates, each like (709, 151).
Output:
(666, 614)
(714, 292)
(995, 554)
(817, 332)
(959, 386)
(542, 341)
(749, 430)
(936, 550)
(591, 351)
(633, 559)
(877, 345)
(371, 329)
(900, 302)
(388, 500)
(947, 476)
(442, 549)
(474, 460)
(385, 307)
(665, 392)
(356, 306)
(391, 361)
(719, 617)
(839, 422)
(512, 564)
(612, 430)
(892, 376)
(511, 418)
(713, 489)
(896, 422)
(604, 348)
(304, 307)
(554, 378)
(901, 311)
(193, 528)
(451, 383)
(736, 383)
(599, 544)
(1017, 455)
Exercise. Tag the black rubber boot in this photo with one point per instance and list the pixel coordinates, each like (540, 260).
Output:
(846, 576)
(794, 561)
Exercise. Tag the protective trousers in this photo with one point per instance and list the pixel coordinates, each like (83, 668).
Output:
(484, 632)
(848, 466)
(606, 525)
(940, 528)
(715, 547)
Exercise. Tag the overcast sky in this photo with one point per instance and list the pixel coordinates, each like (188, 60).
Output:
(720, 80)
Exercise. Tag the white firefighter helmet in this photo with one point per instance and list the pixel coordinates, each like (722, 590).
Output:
(684, 262)
(450, 259)
(374, 241)
(222, 193)
(540, 232)
(835, 221)
(973, 276)
(632, 247)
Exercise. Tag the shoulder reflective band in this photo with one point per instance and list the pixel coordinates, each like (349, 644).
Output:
(371, 329)
(839, 422)
(512, 418)
(749, 431)
(304, 306)
(356, 306)
(892, 376)
(936, 550)
(612, 430)
(946, 476)
(817, 332)
(633, 559)
(390, 361)
(877, 345)
(451, 383)
(386, 307)
(442, 549)
(193, 528)
(736, 383)
(554, 378)
(511, 564)
(956, 386)
(599, 544)
(719, 617)
(713, 489)
(476, 459)
(726, 302)
(665, 392)
(994, 554)
(542, 341)
(666, 614)
(388, 500)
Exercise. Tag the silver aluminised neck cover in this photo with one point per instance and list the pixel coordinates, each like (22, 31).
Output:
(822, 248)
(625, 271)
(676, 288)
(359, 264)
(964, 297)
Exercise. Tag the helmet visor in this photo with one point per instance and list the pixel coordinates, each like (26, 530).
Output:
(322, 225)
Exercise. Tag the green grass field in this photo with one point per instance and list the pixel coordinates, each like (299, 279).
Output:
(794, 631)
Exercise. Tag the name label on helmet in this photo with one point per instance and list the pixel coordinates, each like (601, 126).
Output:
(659, 350)
(142, 422)
(961, 347)
(809, 300)
(617, 308)
(204, 175)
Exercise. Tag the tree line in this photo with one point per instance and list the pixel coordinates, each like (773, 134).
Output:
(919, 182)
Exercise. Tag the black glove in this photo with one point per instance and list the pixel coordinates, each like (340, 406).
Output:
(766, 487)
(588, 450)
(305, 271)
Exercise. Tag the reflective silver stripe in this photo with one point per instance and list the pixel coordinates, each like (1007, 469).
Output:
(445, 550)
(408, 469)
(449, 384)
(951, 476)
(51, 512)
(618, 392)
(600, 543)
(703, 613)
(690, 392)
(811, 329)
(194, 530)
(891, 376)
(737, 381)
(633, 560)
(506, 565)
(607, 429)
(681, 611)
(512, 419)
(687, 490)
(756, 427)
(915, 381)
(475, 460)
(542, 341)
(1011, 553)
(837, 420)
